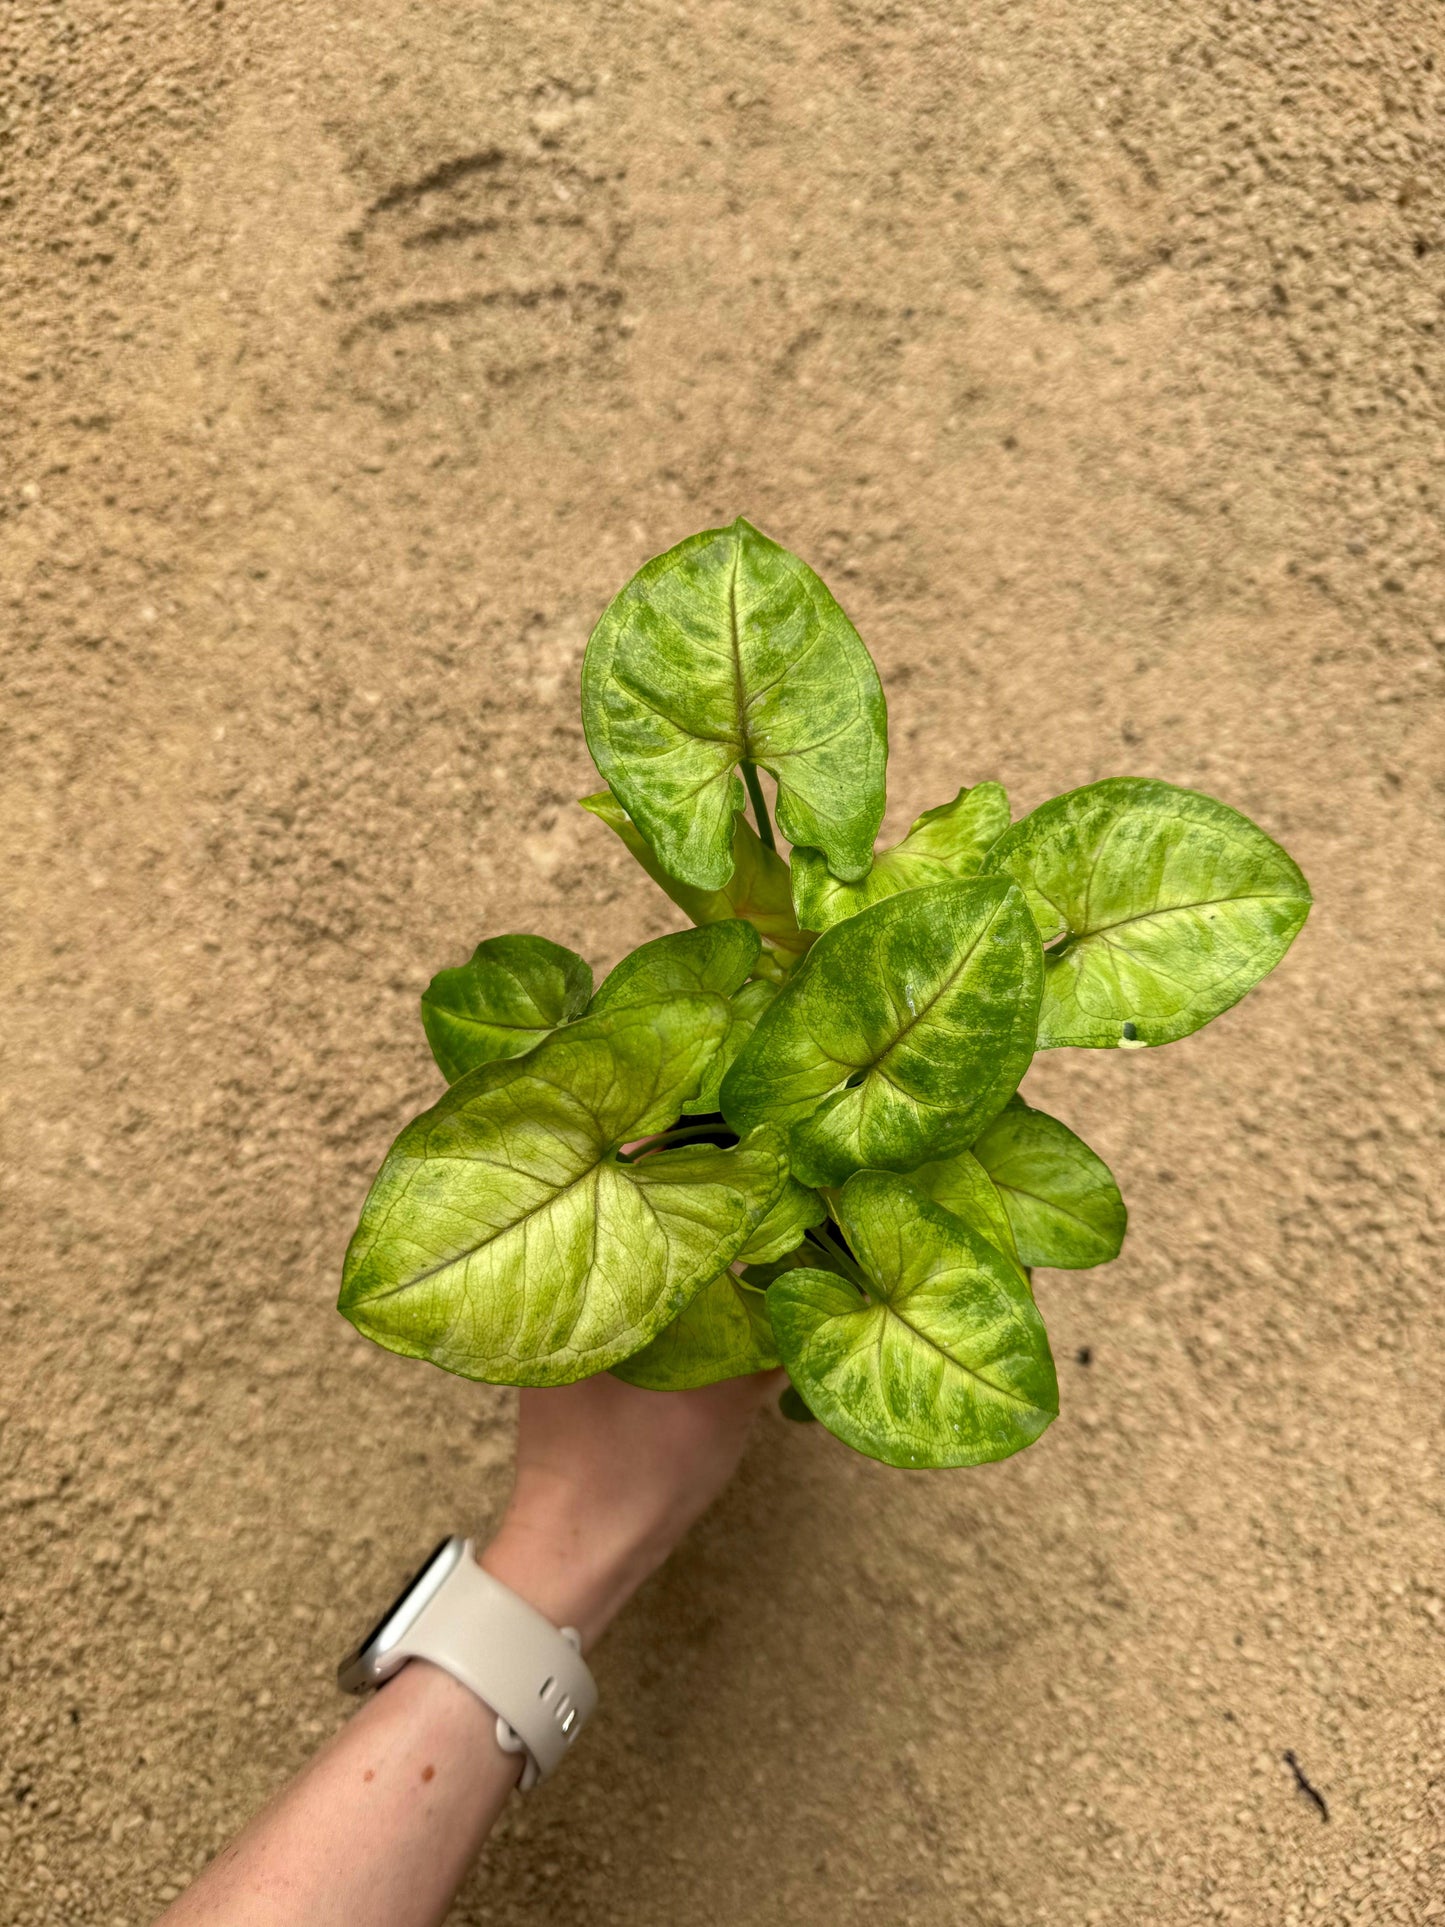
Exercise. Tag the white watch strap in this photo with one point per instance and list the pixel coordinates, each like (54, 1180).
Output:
(531, 1675)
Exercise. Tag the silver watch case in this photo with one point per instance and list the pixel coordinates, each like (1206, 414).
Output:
(373, 1660)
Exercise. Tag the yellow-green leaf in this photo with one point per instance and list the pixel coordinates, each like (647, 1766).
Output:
(503, 1239)
(727, 649)
(723, 1333)
(903, 1031)
(1160, 907)
(948, 842)
(961, 1185)
(796, 1210)
(717, 958)
(514, 992)
(1060, 1197)
(745, 1007)
(945, 1363)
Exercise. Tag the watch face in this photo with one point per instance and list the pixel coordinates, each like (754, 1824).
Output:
(358, 1670)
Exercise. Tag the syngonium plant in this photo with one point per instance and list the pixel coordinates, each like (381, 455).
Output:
(792, 1133)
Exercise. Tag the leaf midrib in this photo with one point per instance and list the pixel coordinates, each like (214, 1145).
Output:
(433, 1271)
(487, 1023)
(739, 691)
(1173, 909)
(879, 1063)
(1049, 1204)
(592, 1174)
(891, 1311)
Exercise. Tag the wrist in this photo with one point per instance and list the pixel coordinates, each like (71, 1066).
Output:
(575, 1571)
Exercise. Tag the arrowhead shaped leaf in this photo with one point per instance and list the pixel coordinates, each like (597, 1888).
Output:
(1161, 907)
(796, 1210)
(716, 958)
(729, 649)
(744, 1010)
(948, 842)
(759, 888)
(514, 992)
(503, 1240)
(902, 1032)
(723, 1333)
(1060, 1196)
(961, 1185)
(948, 1364)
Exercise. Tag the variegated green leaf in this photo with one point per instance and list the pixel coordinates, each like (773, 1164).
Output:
(717, 958)
(1060, 1197)
(902, 1032)
(744, 1010)
(728, 649)
(796, 1210)
(961, 1185)
(514, 992)
(1160, 907)
(723, 1333)
(759, 888)
(945, 843)
(503, 1239)
(945, 1363)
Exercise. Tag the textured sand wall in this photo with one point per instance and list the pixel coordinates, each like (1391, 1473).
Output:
(350, 356)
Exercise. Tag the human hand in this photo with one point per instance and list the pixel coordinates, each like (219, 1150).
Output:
(609, 1477)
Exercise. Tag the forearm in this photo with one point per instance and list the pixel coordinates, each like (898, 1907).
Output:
(380, 1828)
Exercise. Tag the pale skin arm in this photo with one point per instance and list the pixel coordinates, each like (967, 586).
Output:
(380, 1828)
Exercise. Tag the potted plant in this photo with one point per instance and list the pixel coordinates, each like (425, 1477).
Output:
(792, 1132)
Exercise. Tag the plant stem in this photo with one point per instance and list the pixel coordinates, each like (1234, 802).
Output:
(663, 1140)
(825, 1241)
(760, 808)
(821, 1235)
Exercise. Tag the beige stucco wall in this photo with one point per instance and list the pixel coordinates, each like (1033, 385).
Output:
(350, 356)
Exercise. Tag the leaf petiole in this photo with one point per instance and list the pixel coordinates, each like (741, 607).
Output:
(760, 808)
(664, 1140)
(852, 1271)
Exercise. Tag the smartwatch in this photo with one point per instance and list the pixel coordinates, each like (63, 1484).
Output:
(526, 1671)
